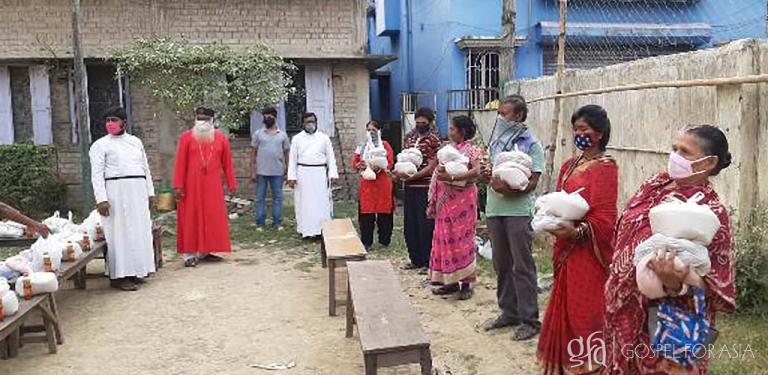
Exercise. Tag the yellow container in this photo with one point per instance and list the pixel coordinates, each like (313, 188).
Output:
(166, 202)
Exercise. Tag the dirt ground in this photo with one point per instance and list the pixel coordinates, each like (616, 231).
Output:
(261, 305)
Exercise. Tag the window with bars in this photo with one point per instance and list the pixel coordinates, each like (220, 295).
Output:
(482, 68)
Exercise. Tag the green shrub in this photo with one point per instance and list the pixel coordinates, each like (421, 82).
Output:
(28, 179)
(752, 263)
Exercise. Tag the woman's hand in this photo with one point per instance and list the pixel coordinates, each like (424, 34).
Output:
(442, 174)
(663, 263)
(565, 231)
(361, 167)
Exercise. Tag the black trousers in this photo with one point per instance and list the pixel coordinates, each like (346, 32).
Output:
(368, 222)
(418, 228)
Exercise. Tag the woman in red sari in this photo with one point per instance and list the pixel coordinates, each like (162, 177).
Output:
(583, 249)
(699, 152)
(376, 201)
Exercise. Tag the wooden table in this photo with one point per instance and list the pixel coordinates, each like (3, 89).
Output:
(13, 333)
(17, 242)
(389, 329)
(77, 270)
(340, 244)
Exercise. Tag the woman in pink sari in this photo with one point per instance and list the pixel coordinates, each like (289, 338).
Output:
(699, 152)
(452, 264)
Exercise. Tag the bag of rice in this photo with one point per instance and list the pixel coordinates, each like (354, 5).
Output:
(36, 283)
(685, 220)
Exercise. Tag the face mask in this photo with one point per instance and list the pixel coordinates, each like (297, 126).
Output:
(680, 168)
(203, 126)
(375, 138)
(310, 127)
(114, 127)
(200, 123)
(423, 129)
(269, 121)
(582, 141)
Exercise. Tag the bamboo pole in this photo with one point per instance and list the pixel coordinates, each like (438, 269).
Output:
(757, 78)
(555, 126)
(81, 111)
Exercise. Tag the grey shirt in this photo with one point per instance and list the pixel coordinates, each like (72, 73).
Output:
(270, 152)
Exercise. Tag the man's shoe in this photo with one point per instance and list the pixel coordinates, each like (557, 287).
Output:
(499, 323)
(124, 285)
(525, 332)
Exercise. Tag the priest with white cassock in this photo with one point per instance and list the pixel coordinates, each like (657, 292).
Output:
(122, 185)
(311, 168)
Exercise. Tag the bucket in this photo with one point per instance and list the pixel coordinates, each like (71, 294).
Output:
(166, 201)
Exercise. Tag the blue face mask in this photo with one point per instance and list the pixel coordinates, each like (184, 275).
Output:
(582, 141)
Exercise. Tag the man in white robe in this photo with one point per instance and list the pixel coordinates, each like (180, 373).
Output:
(122, 184)
(311, 168)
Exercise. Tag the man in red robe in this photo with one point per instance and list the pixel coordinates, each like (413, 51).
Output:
(203, 153)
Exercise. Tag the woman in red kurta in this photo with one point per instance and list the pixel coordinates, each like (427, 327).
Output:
(699, 152)
(201, 156)
(582, 251)
(376, 201)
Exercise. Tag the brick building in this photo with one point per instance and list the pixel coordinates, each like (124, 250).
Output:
(326, 39)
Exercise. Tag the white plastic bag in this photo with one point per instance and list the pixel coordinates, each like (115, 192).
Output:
(687, 252)
(545, 223)
(4, 284)
(368, 174)
(71, 252)
(562, 205)
(45, 250)
(686, 220)
(514, 156)
(90, 223)
(412, 155)
(448, 154)
(19, 264)
(56, 223)
(513, 174)
(486, 251)
(406, 168)
(379, 162)
(10, 303)
(41, 282)
(456, 168)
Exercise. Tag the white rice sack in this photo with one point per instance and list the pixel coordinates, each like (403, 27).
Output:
(10, 302)
(19, 264)
(379, 162)
(4, 284)
(514, 177)
(41, 282)
(515, 165)
(687, 252)
(89, 224)
(456, 168)
(8, 273)
(412, 155)
(514, 156)
(368, 174)
(448, 154)
(406, 168)
(545, 223)
(43, 249)
(686, 220)
(562, 205)
(9, 230)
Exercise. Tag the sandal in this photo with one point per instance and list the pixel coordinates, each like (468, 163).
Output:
(211, 258)
(499, 323)
(446, 290)
(465, 293)
(525, 332)
(124, 285)
(191, 262)
(424, 271)
(409, 266)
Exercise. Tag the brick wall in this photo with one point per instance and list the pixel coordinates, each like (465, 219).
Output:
(294, 28)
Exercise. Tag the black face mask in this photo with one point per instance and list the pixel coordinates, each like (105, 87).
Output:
(269, 122)
(423, 129)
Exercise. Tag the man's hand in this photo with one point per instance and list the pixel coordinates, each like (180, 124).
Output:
(178, 194)
(41, 229)
(291, 183)
(402, 176)
(103, 208)
(486, 172)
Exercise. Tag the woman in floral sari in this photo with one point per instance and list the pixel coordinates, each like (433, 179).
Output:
(699, 152)
(582, 251)
(454, 208)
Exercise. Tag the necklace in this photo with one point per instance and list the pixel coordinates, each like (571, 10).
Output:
(203, 159)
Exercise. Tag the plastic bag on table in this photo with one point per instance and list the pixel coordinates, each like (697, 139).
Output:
(19, 264)
(46, 254)
(39, 282)
(8, 273)
(10, 303)
(56, 223)
(8, 230)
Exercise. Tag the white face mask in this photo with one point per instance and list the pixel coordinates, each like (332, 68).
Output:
(310, 127)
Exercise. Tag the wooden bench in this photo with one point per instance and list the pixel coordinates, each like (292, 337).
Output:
(340, 243)
(389, 329)
(77, 270)
(13, 333)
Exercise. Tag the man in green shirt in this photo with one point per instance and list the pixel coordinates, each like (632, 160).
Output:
(509, 214)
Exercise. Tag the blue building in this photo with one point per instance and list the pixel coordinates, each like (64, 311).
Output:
(448, 50)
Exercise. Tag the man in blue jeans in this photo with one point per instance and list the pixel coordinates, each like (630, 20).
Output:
(269, 153)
